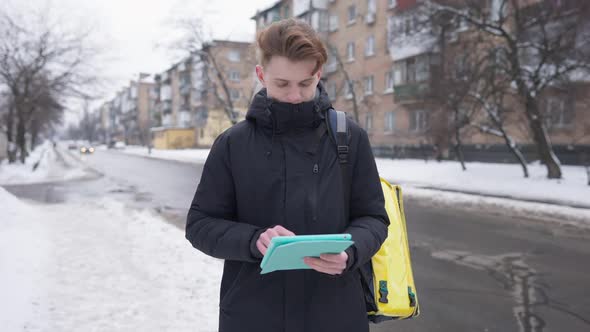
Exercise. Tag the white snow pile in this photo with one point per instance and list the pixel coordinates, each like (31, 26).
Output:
(109, 269)
(51, 167)
(504, 180)
(555, 214)
(184, 155)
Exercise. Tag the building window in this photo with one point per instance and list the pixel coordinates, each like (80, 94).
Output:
(391, 3)
(410, 71)
(558, 112)
(234, 76)
(234, 94)
(389, 81)
(369, 122)
(351, 14)
(460, 71)
(233, 56)
(350, 51)
(397, 74)
(333, 24)
(371, 11)
(370, 46)
(422, 72)
(389, 122)
(349, 86)
(332, 91)
(418, 120)
(369, 85)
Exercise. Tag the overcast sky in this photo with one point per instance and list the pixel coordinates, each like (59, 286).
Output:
(138, 33)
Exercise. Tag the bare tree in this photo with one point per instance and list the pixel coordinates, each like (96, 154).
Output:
(40, 61)
(195, 41)
(47, 115)
(219, 85)
(538, 46)
(349, 83)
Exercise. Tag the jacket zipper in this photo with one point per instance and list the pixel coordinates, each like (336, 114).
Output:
(314, 194)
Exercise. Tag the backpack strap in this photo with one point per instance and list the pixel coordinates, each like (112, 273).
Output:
(338, 128)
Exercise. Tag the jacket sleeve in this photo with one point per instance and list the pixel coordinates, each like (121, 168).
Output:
(211, 226)
(368, 218)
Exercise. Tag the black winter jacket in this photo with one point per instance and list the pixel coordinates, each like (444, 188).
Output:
(275, 169)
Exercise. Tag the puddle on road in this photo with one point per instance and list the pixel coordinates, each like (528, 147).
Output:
(95, 189)
(42, 193)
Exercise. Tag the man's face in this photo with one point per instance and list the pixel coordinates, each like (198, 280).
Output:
(288, 81)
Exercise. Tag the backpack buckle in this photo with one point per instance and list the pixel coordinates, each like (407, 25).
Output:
(343, 153)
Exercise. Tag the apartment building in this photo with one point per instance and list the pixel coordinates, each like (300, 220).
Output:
(359, 73)
(385, 64)
(279, 10)
(226, 85)
(127, 117)
(104, 115)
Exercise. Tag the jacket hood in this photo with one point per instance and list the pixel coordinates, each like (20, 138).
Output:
(281, 117)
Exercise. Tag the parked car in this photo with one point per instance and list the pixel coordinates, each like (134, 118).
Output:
(119, 145)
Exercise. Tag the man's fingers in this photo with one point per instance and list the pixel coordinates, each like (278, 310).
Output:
(314, 264)
(335, 258)
(265, 239)
(261, 247)
(318, 262)
(271, 233)
(282, 231)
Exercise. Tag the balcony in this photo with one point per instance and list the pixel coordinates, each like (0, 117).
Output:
(331, 67)
(165, 106)
(185, 89)
(413, 92)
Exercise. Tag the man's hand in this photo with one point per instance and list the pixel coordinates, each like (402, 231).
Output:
(328, 263)
(264, 239)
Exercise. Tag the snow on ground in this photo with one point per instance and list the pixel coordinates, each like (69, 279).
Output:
(491, 179)
(51, 167)
(185, 155)
(110, 269)
(562, 215)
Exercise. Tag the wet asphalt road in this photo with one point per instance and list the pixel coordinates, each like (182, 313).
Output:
(474, 271)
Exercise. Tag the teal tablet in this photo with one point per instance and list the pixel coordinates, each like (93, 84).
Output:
(287, 252)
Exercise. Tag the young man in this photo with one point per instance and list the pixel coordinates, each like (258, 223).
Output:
(277, 173)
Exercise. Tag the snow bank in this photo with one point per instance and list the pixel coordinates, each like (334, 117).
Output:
(51, 168)
(23, 263)
(491, 179)
(108, 269)
(185, 155)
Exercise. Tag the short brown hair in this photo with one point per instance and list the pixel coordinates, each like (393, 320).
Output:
(293, 39)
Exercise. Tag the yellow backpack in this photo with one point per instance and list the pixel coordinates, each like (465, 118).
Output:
(387, 280)
(392, 277)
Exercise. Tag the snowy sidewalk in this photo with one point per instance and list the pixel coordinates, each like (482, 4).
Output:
(109, 269)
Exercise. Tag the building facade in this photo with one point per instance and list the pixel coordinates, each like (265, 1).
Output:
(128, 116)
(388, 71)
